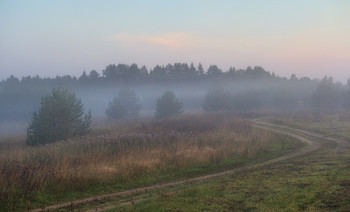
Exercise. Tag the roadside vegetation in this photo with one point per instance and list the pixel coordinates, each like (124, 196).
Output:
(128, 154)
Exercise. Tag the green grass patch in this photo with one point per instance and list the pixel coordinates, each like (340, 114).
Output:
(309, 183)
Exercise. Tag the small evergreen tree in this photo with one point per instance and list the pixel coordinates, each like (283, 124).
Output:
(60, 116)
(125, 105)
(168, 105)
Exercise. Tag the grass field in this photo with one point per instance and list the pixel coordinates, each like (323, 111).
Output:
(309, 183)
(121, 155)
(319, 181)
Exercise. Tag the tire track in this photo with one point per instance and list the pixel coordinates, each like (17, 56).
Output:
(341, 144)
(312, 146)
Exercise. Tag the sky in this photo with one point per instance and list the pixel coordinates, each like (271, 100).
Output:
(305, 37)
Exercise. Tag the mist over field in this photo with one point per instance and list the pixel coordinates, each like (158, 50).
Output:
(156, 105)
(39, 53)
(244, 90)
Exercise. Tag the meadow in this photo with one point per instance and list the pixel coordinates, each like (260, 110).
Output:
(318, 181)
(121, 155)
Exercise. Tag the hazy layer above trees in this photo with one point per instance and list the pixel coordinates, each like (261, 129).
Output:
(245, 90)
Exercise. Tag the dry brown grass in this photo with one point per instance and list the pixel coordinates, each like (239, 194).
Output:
(124, 151)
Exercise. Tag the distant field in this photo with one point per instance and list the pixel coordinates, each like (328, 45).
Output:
(330, 124)
(116, 156)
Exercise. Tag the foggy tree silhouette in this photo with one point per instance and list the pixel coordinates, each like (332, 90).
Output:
(346, 103)
(94, 75)
(125, 105)
(168, 105)
(217, 99)
(214, 71)
(19, 97)
(111, 72)
(83, 78)
(326, 95)
(200, 69)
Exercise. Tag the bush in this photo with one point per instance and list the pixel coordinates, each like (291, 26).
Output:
(168, 105)
(125, 105)
(60, 116)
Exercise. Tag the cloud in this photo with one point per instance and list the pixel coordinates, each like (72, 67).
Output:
(173, 40)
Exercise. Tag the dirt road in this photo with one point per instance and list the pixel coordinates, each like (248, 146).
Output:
(340, 143)
(312, 146)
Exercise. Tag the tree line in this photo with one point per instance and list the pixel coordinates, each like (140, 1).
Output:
(123, 73)
(20, 96)
(61, 114)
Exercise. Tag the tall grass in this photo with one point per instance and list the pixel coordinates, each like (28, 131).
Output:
(123, 151)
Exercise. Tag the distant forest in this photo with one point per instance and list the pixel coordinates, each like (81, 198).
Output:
(123, 73)
(247, 89)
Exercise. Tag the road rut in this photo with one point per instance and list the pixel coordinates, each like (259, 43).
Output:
(312, 146)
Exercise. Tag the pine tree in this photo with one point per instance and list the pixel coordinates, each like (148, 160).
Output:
(60, 116)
